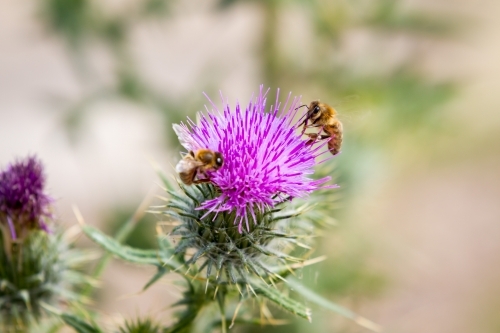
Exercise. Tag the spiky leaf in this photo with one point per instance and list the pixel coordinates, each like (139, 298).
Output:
(127, 253)
(281, 299)
(79, 324)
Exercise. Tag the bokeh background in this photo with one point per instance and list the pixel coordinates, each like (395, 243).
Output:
(92, 88)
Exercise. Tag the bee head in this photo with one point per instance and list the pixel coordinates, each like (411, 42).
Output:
(314, 110)
(219, 160)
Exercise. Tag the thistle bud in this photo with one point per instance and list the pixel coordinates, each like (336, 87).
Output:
(36, 265)
(23, 204)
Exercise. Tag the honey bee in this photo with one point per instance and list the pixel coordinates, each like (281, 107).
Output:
(198, 162)
(324, 116)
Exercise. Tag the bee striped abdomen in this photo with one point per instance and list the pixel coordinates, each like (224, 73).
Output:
(335, 142)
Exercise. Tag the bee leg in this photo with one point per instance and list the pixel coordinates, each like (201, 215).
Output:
(201, 181)
(315, 137)
(205, 178)
(323, 137)
(193, 177)
(289, 198)
(312, 138)
(304, 128)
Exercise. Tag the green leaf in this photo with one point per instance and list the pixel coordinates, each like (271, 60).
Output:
(280, 299)
(80, 325)
(127, 253)
(161, 271)
(323, 302)
(139, 325)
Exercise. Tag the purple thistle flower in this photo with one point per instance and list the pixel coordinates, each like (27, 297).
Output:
(266, 160)
(23, 203)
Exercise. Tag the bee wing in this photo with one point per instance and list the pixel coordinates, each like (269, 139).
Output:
(185, 138)
(187, 164)
(356, 117)
(350, 110)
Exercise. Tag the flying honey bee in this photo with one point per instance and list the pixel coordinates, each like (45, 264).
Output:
(325, 117)
(198, 162)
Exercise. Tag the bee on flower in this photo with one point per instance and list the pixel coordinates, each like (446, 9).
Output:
(265, 159)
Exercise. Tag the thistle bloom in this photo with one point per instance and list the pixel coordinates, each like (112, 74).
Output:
(266, 160)
(38, 267)
(23, 203)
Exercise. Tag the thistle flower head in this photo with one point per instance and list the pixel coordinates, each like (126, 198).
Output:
(240, 223)
(37, 266)
(23, 203)
(265, 159)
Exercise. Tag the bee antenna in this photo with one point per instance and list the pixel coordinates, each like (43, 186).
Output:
(300, 107)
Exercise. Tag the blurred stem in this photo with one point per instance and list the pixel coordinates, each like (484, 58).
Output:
(269, 48)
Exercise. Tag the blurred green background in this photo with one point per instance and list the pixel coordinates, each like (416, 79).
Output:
(94, 86)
